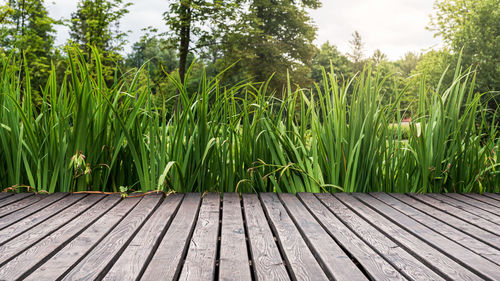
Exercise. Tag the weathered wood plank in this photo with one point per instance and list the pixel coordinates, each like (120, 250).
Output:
(234, 263)
(459, 213)
(495, 210)
(332, 258)
(29, 210)
(24, 263)
(302, 263)
(202, 252)
(57, 266)
(479, 233)
(167, 260)
(266, 259)
(451, 233)
(132, 262)
(5, 195)
(468, 259)
(95, 264)
(21, 204)
(401, 259)
(14, 198)
(374, 264)
(484, 199)
(426, 253)
(467, 208)
(495, 196)
(33, 220)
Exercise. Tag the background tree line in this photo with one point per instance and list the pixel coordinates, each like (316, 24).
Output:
(255, 39)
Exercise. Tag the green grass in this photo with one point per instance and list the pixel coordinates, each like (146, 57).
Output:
(86, 135)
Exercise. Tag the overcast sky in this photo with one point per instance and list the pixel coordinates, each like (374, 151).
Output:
(393, 26)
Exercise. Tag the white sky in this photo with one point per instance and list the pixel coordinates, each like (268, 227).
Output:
(393, 26)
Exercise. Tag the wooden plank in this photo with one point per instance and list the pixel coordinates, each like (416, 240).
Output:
(495, 196)
(57, 266)
(440, 227)
(266, 259)
(333, 259)
(202, 252)
(14, 198)
(18, 244)
(21, 204)
(33, 220)
(467, 208)
(484, 199)
(301, 261)
(459, 213)
(479, 233)
(495, 210)
(23, 264)
(97, 262)
(404, 261)
(433, 258)
(29, 210)
(201, 256)
(5, 195)
(234, 263)
(468, 259)
(373, 263)
(167, 260)
(132, 262)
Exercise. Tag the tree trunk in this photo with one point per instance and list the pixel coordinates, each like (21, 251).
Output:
(185, 34)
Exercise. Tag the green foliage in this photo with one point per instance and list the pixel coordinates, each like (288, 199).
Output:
(270, 38)
(96, 24)
(471, 28)
(326, 55)
(27, 30)
(89, 136)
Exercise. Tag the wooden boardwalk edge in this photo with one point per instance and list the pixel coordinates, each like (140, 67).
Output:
(265, 236)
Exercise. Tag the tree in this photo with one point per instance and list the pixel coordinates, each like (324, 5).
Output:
(408, 63)
(27, 29)
(272, 37)
(96, 24)
(327, 54)
(357, 49)
(472, 28)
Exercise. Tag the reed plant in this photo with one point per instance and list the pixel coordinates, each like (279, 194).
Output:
(88, 134)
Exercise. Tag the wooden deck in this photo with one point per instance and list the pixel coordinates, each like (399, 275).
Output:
(268, 236)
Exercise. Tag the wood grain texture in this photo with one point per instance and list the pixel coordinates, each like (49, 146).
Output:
(332, 258)
(433, 258)
(133, 260)
(465, 257)
(373, 263)
(95, 264)
(479, 233)
(202, 252)
(303, 265)
(493, 209)
(14, 198)
(5, 195)
(29, 260)
(38, 217)
(458, 213)
(167, 260)
(404, 261)
(20, 204)
(27, 211)
(234, 263)
(484, 199)
(440, 227)
(266, 259)
(495, 196)
(468, 208)
(57, 266)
